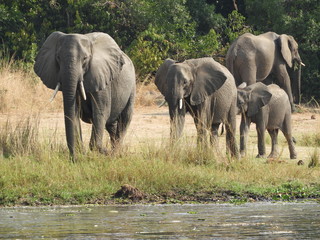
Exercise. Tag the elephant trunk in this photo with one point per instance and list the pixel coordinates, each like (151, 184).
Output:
(296, 83)
(69, 89)
(177, 117)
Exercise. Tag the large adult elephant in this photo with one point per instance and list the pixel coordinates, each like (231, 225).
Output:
(97, 81)
(268, 57)
(206, 90)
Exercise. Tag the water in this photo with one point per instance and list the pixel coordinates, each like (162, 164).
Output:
(248, 221)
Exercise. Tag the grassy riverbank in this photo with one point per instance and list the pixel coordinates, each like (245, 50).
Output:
(36, 171)
(35, 167)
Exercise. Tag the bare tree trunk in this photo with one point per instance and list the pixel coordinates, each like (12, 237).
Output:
(235, 5)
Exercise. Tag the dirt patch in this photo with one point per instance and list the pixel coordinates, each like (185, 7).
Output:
(152, 125)
(129, 192)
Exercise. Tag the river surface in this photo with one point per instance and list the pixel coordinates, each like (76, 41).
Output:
(206, 221)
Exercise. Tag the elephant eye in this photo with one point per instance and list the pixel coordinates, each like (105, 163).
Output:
(85, 61)
(185, 81)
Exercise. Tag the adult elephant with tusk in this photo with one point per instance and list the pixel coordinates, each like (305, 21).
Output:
(97, 81)
(206, 90)
(268, 57)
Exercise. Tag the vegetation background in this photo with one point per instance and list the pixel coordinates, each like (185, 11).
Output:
(152, 30)
(35, 167)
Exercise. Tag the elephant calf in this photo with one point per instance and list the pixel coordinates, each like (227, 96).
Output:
(269, 108)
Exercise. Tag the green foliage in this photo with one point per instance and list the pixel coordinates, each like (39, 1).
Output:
(206, 45)
(148, 52)
(205, 16)
(160, 29)
(265, 15)
(236, 26)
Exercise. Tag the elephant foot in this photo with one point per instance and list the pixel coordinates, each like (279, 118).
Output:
(293, 108)
(103, 151)
(293, 155)
(261, 156)
(273, 155)
(242, 153)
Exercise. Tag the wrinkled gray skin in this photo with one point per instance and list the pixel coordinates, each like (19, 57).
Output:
(269, 108)
(267, 57)
(207, 91)
(108, 77)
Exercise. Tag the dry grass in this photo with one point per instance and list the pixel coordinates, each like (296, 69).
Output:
(314, 159)
(22, 91)
(148, 95)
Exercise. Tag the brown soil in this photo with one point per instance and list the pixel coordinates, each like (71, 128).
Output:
(152, 124)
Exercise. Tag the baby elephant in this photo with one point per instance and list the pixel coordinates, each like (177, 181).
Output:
(269, 108)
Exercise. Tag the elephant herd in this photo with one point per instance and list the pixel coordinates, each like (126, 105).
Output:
(261, 81)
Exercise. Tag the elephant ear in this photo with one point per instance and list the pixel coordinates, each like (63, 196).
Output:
(106, 62)
(46, 66)
(161, 76)
(285, 49)
(259, 97)
(209, 77)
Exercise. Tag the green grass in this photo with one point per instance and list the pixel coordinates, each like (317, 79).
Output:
(314, 159)
(310, 139)
(37, 171)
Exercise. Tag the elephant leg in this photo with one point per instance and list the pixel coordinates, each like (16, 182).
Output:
(117, 133)
(97, 136)
(290, 140)
(112, 130)
(231, 133)
(214, 134)
(244, 129)
(201, 129)
(287, 133)
(274, 143)
(100, 111)
(261, 142)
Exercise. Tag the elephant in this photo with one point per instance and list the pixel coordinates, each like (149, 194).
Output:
(267, 106)
(97, 81)
(267, 57)
(205, 89)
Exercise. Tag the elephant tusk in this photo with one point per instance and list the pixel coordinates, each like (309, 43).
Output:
(55, 92)
(82, 91)
(180, 103)
(301, 63)
(242, 85)
(162, 103)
